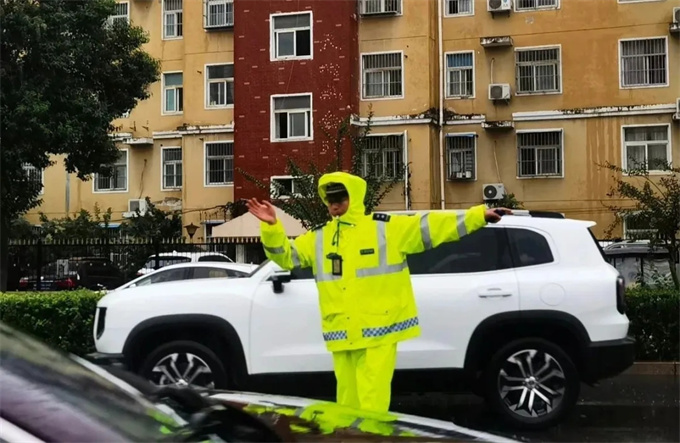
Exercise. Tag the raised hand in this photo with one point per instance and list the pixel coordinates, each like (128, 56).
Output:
(263, 211)
(494, 215)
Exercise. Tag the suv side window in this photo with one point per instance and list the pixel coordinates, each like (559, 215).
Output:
(170, 275)
(529, 248)
(482, 251)
(205, 272)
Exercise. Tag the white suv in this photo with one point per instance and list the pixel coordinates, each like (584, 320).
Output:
(521, 312)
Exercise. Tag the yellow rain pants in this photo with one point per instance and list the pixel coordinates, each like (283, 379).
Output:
(364, 377)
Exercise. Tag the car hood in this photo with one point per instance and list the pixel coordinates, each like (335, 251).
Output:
(301, 419)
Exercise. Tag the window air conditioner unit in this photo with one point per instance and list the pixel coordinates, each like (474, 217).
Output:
(493, 191)
(461, 175)
(499, 91)
(499, 5)
(134, 205)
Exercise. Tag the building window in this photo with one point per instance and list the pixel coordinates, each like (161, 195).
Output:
(459, 7)
(35, 177)
(219, 163)
(292, 36)
(460, 152)
(292, 117)
(382, 75)
(219, 85)
(116, 178)
(538, 70)
(383, 156)
(173, 93)
(286, 186)
(380, 6)
(644, 62)
(172, 168)
(636, 226)
(172, 18)
(460, 75)
(532, 5)
(646, 147)
(219, 13)
(539, 154)
(121, 14)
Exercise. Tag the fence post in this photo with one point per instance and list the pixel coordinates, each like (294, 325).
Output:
(157, 252)
(38, 259)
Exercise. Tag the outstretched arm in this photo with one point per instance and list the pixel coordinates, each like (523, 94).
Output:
(286, 253)
(429, 230)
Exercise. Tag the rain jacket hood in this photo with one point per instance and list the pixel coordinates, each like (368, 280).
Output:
(356, 187)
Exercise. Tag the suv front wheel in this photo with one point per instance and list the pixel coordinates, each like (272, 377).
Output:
(532, 383)
(184, 363)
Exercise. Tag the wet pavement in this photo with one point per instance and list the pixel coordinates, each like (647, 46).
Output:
(628, 408)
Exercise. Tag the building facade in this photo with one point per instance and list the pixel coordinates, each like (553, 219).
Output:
(533, 96)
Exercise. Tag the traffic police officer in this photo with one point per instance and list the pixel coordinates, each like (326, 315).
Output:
(365, 293)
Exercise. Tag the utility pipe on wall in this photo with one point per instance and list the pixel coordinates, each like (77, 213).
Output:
(440, 52)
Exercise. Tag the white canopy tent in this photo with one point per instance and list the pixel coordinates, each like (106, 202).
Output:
(246, 228)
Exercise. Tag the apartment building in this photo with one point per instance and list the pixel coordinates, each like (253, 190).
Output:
(532, 94)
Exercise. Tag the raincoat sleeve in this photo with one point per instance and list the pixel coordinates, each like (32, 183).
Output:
(287, 253)
(425, 231)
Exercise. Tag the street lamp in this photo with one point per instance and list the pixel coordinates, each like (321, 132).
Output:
(191, 230)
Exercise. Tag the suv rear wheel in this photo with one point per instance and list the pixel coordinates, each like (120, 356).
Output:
(185, 363)
(532, 383)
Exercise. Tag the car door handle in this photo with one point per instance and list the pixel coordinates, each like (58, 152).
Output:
(493, 293)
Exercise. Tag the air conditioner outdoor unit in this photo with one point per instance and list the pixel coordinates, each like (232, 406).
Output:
(676, 16)
(498, 5)
(676, 117)
(137, 204)
(493, 191)
(499, 91)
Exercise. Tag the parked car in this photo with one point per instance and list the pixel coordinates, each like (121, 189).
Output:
(172, 258)
(191, 271)
(74, 273)
(520, 312)
(48, 395)
(638, 262)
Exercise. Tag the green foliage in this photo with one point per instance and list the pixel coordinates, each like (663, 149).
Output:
(508, 201)
(656, 206)
(154, 223)
(82, 225)
(61, 319)
(66, 75)
(307, 206)
(654, 316)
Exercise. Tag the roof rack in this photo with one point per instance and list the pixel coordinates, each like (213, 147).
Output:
(537, 214)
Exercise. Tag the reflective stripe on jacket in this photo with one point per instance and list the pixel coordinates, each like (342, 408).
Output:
(372, 302)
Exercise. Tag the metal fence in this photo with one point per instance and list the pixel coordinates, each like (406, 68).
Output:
(40, 265)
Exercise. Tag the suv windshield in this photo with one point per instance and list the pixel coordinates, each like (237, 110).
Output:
(41, 385)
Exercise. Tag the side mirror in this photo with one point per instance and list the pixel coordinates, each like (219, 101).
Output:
(278, 280)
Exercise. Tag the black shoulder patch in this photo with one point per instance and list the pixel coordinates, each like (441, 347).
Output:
(378, 216)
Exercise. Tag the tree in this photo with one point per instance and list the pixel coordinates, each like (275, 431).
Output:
(655, 205)
(366, 162)
(67, 73)
(507, 201)
(83, 225)
(154, 223)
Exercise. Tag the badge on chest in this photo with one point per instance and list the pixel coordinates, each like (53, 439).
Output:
(336, 263)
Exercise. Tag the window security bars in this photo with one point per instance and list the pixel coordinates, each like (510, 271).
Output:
(382, 75)
(383, 156)
(116, 180)
(460, 152)
(538, 70)
(172, 168)
(539, 154)
(219, 13)
(219, 163)
(172, 18)
(643, 62)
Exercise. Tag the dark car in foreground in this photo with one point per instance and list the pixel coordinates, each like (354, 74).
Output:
(79, 272)
(48, 395)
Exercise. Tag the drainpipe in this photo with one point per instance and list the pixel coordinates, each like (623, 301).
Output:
(440, 53)
(406, 183)
(68, 193)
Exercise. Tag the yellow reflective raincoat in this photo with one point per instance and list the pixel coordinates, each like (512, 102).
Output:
(371, 303)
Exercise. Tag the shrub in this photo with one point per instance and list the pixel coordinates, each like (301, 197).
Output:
(61, 319)
(654, 322)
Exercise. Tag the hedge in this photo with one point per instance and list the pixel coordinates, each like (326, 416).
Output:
(65, 319)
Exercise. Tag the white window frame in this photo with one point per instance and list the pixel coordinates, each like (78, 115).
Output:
(163, 98)
(181, 162)
(206, 14)
(363, 74)
(625, 2)
(207, 83)
(668, 62)
(624, 226)
(474, 137)
(127, 178)
(404, 139)
(534, 131)
(448, 69)
(126, 16)
(27, 167)
(558, 71)
(284, 177)
(464, 14)
(624, 146)
(205, 164)
(400, 9)
(273, 48)
(309, 127)
(171, 12)
(538, 8)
